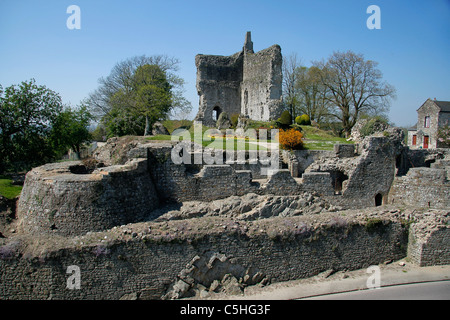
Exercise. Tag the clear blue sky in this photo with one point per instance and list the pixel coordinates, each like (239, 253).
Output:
(412, 46)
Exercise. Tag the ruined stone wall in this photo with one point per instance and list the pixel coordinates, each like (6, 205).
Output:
(421, 187)
(359, 179)
(57, 200)
(429, 239)
(261, 85)
(350, 179)
(218, 85)
(244, 83)
(302, 159)
(62, 198)
(144, 259)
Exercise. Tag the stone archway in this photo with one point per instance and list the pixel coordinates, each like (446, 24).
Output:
(216, 111)
(378, 199)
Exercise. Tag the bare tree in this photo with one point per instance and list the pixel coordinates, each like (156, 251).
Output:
(312, 93)
(355, 86)
(290, 96)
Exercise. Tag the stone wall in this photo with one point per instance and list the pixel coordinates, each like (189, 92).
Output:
(218, 86)
(299, 160)
(360, 179)
(57, 200)
(261, 85)
(244, 83)
(64, 198)
(429, 239)
(144, 259)
(421, 187)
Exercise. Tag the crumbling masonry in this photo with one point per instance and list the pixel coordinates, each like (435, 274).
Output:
(140, 226)
(245, 83)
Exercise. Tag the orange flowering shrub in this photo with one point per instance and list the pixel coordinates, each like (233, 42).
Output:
(290, 139)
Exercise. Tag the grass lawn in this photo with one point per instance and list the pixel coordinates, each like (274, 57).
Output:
(238, 144)
(7, 189)
(316, 134)
(314, 138)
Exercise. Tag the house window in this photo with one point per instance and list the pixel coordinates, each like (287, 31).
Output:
(427, 122)
(414, 140)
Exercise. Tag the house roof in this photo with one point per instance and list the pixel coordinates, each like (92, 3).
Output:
(443, 105)
(413, 128)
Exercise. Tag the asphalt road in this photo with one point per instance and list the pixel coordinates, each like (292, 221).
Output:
(399, 281)
(439, 290)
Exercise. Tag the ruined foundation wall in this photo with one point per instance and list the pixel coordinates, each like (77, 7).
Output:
(55, 200)
(144, 259)
(421, 187)
(429, 239)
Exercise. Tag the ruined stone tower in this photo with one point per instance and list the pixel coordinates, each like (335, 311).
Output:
(245, 83)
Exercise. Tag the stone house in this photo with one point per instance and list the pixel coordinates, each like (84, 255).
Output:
(431, 116)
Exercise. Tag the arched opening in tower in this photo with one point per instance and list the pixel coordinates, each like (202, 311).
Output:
(216, 113)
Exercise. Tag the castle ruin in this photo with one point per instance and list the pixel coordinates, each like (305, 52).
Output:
(138, 225)
(245, 83)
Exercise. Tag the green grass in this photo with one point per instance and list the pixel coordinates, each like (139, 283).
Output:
(7, 189)
(315, 138)
(215, 143)
(316, 134)
(160, 137)
(318, 145)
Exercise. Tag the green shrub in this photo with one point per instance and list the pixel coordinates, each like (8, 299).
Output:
(303, 120)
(306, 120)
(286, 118)
(234, 119)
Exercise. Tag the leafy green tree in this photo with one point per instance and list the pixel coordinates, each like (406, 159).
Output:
(138, 91)
(152, 94)
(70, 130)
(27, 112)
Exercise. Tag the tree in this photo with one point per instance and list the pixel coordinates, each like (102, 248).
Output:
(133, 91)
(290, 96)
(312, 93)
(27, 112)
(443, 136)
(153, 94)
(355, 86)
(70, 130)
